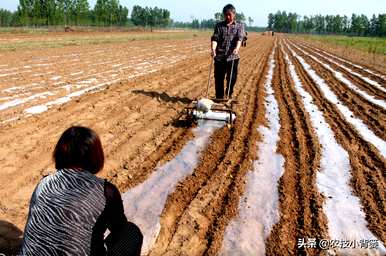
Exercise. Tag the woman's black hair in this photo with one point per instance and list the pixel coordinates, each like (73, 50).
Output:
(228, 8)
(79, 147)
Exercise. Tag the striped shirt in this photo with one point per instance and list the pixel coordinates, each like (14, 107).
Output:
(69, 212)
(226, 37)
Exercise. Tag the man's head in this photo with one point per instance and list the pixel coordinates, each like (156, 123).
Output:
(229, 12)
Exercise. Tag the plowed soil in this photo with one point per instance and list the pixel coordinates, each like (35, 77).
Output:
(133, 94)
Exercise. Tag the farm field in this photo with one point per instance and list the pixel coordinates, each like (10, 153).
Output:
(305, 159)
(35, 39)
(367, 44)
(370, 51)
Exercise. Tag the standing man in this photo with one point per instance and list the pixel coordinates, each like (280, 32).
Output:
(225, 46)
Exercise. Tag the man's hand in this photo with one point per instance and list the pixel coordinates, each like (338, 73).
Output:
(237, 49)
(213, 53)
(213, 47)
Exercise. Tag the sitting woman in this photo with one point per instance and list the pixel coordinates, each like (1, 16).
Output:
(71, 209)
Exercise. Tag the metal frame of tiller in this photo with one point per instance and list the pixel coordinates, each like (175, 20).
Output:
(226, 104)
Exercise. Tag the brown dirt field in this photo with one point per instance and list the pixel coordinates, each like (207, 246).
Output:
(300, 203)
(353, 77)
(72, 69)
(205, 208)
(139, 89)
(373, 115)
(368, 174)
(373, 62)
(42, 39)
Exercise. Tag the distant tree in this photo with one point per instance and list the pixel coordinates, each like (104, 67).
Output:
(137, 15)
(381, 25)
(101, 12)
(355, 24)
(345, 24)
(153, 17)
(240, 17)
(208, 23)
(271, 21)
(36, 11)
(195, 23)
(250, 21)
(165, 21)
(292, 22)
(308, 25)
(280, 23)
(373, 25)
(329, 21)
(337, 26)
(284, 25)
(123, 15)
(218, 16)
(82, 12)
(320, 24)
(50, 12)
(365, 25)
(301, 26)
(6, 18)
(360, 25)
(179, 24)
(113, 12)
(24, 11)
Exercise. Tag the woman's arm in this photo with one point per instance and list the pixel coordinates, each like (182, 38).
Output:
(125, 238)
(116, 218)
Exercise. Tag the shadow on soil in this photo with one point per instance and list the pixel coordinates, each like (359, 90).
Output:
(10, 238)
(163, 96)
(180, 122)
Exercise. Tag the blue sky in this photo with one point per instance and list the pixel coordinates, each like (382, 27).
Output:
(258, 10)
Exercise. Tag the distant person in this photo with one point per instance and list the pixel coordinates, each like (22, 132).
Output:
(273, 33)
(71, 209)
(244, 43)
(225, 46)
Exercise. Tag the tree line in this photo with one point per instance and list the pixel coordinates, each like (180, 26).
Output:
(65, 12)
(153, 17)
(359, 25)
(79, 12)
(210, 23)
(104, 13)
(69, 12)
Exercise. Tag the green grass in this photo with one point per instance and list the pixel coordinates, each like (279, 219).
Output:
(374, 45)
(81, 39)
(22, 30)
